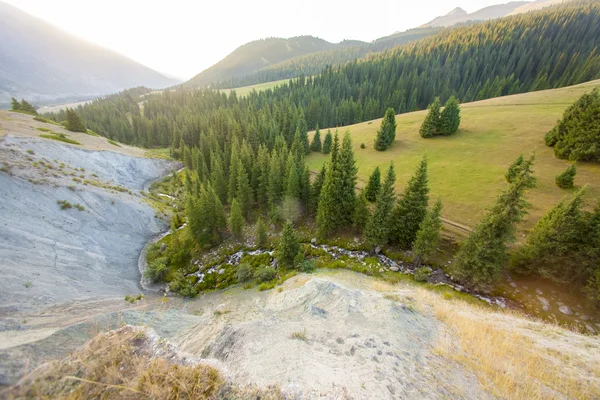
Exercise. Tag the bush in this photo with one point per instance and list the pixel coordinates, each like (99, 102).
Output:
(307, 266)
(362, 146)
(566, 179)
(64, 205)
(244, 272)
(156, 270)
(265, 274)
(422, 274)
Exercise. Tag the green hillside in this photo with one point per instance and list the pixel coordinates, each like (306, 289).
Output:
(467, 170)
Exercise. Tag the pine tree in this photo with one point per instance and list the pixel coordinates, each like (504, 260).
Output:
(428, 236)
(236, 220)
(292, 183)
(217, 177)
(315, 189)
(74, 123)
(431, 123)
(483, 254)
(387, 132)
(411, 208)
(374, 185)
(316, 142)
(378, 226)
(566, 179)
(346, 166)
(450, 117)
(361, 212)
(27, 107)
(234, 164)
(244, 191)
(515, 169)
(288, 247)
(206, 217)
(16, 106)
(261, 233)
(327, 142)
(275, 180)
(328, 210)
(303, 130)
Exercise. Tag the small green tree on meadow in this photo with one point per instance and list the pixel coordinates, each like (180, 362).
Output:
(430, 124)
(289, 248)
(450, 117)
(327, 142)
(387, 132)
(374, 185)
(316, 145)
(236, 220)
(411, 208)
(378, 227)
(428, 236)
(566, 179)
(74, 123)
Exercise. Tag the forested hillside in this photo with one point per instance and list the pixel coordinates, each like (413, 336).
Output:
(533, 51)
(313, 63)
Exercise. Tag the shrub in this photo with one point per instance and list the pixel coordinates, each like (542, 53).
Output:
(265, 274)
(362, 146)
(566, 179)
(64, 205)
(307, 266)
(422, 274)
(156, 270)
(244, 272)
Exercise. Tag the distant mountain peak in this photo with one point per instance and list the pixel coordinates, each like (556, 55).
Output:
(457, 11)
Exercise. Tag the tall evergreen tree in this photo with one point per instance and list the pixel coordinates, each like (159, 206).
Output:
(244, 191)
(515, 169)
(316, 187)
(16, 106)
(411, 208)
(261, 233)
(316, 142)
(450, 117)
(482, 256)
(74, 123)
(288, 248)
(303, 130)
(327, 142)
(361, 212)
(346, 166)
(234, 165)
(328, 209)
(217, 177)
(378, 226)
(236, 220)
(428, 236)
(387, 133)
(374, 185)
(430, 125)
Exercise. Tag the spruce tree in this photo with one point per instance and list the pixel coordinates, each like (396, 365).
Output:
(261, 233)
(374, 185)
(316, 187)
(387, 132)
(217, 177)
(515, 169)
(328, 209)
(428, 236)
(315, 145)
(327, 142)
(361, 212)
(346, 166)
(430, 125)
(275, 180)
(378, 226)
(236, 220)
(234, 164)
(244, 191)
(484, 253)
(566, 179)
(289, 247)
(411, 208)
(450, 117)
(27, 107)
(292, 183)
(16, 106)
(303, 130)
(74, 123)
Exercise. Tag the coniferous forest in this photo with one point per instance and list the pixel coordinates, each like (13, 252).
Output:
(245, 156)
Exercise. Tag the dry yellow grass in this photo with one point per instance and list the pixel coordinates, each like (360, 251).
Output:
(514, 357)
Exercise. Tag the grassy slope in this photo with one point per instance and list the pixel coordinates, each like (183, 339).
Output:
(243, 91)
(467, 169)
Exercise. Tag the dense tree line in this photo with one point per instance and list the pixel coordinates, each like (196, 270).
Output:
(539, 50)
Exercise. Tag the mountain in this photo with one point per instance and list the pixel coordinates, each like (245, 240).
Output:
(536, 5)
(262, 53)
(44, 64)
(458, 15)
(274, 59)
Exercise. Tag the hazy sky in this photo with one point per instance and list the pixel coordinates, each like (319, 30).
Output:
(183, 37)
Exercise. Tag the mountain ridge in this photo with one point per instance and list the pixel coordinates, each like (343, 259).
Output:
(45, 64)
